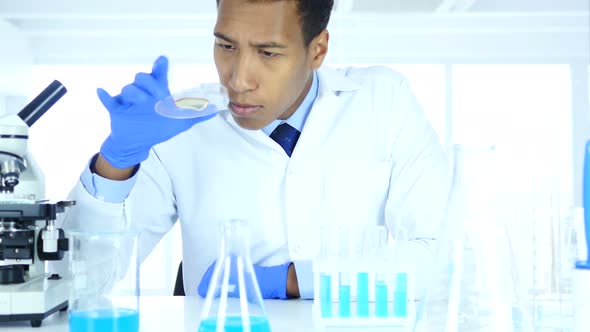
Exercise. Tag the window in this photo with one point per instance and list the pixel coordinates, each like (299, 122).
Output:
(524, 110)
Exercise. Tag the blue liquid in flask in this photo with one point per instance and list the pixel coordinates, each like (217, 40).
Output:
(104, 320)
(234, 324)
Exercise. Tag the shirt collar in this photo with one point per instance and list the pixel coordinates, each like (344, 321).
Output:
(335, 81)
(297, 119)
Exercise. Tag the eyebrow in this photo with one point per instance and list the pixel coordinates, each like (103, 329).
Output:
(257, 45)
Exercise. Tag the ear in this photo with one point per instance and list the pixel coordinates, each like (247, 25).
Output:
(318, 48)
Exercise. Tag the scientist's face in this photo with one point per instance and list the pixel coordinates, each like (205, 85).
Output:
(262, 60)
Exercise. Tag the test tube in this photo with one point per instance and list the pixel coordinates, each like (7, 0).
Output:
(380, 295)
(369, 251)
(362, 295)
(325, 277)
(400, 295)
(344, 295)
(344, 256)
(326, 294)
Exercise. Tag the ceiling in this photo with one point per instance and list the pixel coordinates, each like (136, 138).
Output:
(123, 30)
(16, 10)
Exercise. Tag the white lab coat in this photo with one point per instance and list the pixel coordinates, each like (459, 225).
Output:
(366, 155)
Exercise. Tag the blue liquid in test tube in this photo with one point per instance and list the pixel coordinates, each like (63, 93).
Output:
(362, 294)
(400, 296)
(344, 300)
(344, 295)
(380, 298)
(326, 295)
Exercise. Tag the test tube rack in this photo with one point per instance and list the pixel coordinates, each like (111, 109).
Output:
(363, 293)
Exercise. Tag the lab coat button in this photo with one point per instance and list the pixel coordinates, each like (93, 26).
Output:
(297, 249)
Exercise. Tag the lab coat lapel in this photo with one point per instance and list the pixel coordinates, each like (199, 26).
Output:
(253, 136)
(324, 110)
(320, 120)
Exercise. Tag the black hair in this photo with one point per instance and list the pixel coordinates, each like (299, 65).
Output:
(314, 16)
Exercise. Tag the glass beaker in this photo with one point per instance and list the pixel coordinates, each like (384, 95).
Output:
(104, 269)
(234, 274)
(553, 254)
(475, 283)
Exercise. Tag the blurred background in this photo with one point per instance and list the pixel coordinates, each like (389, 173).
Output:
(504, 73)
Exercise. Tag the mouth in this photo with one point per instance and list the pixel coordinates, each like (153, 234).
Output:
(243, 109)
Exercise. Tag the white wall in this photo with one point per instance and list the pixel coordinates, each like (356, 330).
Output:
(16, 60)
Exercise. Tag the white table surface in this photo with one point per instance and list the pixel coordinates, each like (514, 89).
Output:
(179, 313)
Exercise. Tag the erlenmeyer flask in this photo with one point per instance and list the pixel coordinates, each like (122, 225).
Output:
(475, 285)
(234, 274)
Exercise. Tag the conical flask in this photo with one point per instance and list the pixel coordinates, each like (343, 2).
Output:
(475, 284)
(234, 274)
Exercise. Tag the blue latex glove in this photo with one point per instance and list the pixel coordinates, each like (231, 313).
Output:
(135, 125)
(272, 281)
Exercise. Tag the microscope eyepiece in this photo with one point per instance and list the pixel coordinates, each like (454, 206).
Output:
(43, 102)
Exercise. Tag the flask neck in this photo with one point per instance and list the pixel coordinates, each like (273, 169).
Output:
(234, 240)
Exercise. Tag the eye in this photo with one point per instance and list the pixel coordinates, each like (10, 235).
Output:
(225, 47)
(269, 54)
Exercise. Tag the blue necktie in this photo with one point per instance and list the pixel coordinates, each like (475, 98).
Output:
(286, 136)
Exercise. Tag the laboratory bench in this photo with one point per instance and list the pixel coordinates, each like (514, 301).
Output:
(179, 313)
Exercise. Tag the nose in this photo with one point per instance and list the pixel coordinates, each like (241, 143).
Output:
(241, 77)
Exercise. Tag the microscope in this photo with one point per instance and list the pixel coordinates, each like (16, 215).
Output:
(28, 235)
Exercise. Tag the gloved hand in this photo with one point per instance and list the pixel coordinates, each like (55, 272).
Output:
(272, 281)
(135, 125)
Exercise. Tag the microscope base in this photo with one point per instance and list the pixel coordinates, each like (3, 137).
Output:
(34, 300)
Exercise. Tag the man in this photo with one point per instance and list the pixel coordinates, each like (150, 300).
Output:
(361, 152)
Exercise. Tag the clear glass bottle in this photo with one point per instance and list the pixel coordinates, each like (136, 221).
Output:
(234, 272)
